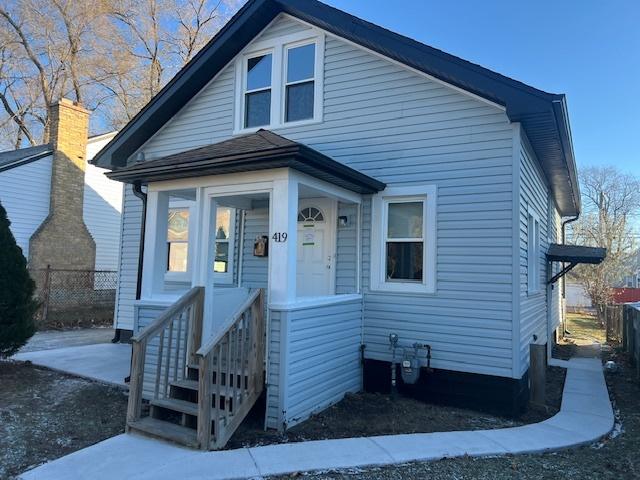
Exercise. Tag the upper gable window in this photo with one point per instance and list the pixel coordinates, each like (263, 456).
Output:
(279, 82)
(300, 84)
(257, 101)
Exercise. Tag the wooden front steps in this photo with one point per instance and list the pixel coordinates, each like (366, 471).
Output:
(165, 431)
(200, 392)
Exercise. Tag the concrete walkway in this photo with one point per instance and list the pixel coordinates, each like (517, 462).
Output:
(105, 362)
(52, 339)
(585, 416)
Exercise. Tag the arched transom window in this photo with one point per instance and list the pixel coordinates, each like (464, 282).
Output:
(310, 214)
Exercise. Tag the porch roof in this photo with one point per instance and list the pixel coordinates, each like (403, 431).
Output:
(256, 151)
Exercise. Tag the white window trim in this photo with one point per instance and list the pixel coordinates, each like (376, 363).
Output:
(533, 253)
(278, 48)
(427, 193)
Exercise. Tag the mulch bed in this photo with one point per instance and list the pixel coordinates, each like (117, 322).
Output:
(368, 414)
(617, 457)
(45, 415)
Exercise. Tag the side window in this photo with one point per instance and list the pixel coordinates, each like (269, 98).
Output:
(257, 91)
(533, 253)
(300, 82)
(178, 240)
(403, 240)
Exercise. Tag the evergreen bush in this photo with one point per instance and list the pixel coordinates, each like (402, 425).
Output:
(17, 302)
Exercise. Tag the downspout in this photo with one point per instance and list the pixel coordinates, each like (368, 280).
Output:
(137, 191)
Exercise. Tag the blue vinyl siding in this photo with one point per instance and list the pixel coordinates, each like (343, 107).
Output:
(404, 129)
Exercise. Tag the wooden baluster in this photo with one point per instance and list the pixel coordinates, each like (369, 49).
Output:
(134, 407)
(257, 320)
(243, 345)
(228, 376)
(185, 346)
(252, 353)
(216, 409)
(176, 363)
(204, 402)
(167, 364)
(159, 364)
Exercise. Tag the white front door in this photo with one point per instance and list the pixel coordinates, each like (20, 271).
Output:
(316, 248)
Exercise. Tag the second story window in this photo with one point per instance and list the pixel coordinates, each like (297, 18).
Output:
(300, 84)
(279, 83)
(257, 97)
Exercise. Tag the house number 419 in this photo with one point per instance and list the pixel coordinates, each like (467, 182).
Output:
(280, 237)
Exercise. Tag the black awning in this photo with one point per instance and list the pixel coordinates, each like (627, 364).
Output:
(262, 150)
(575, 254)
(572, 255)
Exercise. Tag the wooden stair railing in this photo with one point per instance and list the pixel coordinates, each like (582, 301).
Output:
(178, 331)
(234, 360)
(196, 394)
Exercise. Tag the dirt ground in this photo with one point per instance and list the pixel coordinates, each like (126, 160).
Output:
(614, 458)
(367, 414)
(45, 415)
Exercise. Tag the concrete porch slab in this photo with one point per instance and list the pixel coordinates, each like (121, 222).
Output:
(105, 362)
(583, 418)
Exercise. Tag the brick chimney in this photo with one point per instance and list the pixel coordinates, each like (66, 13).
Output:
(63, 240)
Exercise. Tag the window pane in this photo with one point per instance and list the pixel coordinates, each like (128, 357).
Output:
(258, 109)
(259, 72)
(177, 257)
(301, 63)
(223, 223)
(221, 264)
(404, 261)
(300, 101)
(178, 228)
(405, 220)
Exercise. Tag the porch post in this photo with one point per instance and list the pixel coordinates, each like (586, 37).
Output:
(155, 245)
(283, 241)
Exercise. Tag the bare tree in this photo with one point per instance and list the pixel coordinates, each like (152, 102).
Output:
(112, 56)
(158, 37)
(611, 199)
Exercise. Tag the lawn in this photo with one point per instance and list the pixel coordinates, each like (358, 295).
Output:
(45, 415)
(585, 329)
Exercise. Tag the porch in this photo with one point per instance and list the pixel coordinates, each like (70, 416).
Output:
(250, 278)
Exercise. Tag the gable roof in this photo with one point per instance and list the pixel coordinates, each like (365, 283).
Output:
(543, 115)
(15, 158)
(256, 151)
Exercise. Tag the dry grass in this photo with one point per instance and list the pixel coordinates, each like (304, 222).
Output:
(585, 329)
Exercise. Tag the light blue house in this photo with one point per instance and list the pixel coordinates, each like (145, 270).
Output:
(370, 185)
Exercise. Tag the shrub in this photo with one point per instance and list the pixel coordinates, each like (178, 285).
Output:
(17, 303)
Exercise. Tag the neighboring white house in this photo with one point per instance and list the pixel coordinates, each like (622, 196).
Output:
(372, 185)
(25, 182)
(576, 296)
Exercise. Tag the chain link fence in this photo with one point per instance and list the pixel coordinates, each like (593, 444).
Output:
(74, 298)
